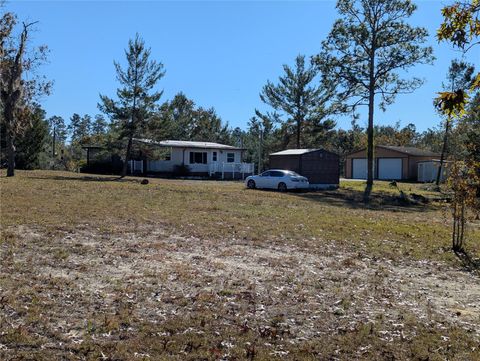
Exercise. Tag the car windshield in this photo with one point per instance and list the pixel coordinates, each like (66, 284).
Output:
(292, 173)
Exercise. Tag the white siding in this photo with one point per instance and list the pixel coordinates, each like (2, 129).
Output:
(182, 155)
(427, 172)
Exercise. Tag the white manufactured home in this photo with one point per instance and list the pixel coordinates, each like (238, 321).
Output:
(204, 159)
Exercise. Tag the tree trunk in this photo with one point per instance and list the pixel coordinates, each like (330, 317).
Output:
(371, 108)
(127, 156)
(260, 139)
(10, 154)
(298, 133)
(53, 148)
(370, 162)
(133, 124)
(444, 150)
(10, 98)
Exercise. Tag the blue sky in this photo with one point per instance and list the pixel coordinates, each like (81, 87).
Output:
(218, 53)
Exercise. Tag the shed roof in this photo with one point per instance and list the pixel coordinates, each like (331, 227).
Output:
(188, 144)
(294, 151)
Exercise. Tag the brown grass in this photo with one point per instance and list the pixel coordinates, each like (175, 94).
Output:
(100, 269)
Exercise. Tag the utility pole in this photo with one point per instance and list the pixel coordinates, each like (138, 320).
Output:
(260, 150)
(53, 145)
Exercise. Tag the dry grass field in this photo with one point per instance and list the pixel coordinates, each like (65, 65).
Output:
(99, 269)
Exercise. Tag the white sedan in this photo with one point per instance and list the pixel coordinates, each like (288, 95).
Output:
(282, 180)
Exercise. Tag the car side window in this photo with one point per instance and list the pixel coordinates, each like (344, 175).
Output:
(265, 174)
(276, 174)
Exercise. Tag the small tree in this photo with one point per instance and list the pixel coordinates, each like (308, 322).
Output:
(464, 181)
(364, 52)
(459, 77)
(296, 98)
(461, 27)
(32, 142)
(136, 99)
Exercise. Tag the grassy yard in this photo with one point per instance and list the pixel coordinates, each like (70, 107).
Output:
(96, 268)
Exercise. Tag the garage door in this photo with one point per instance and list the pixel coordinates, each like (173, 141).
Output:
(359, 168)
(390, 168)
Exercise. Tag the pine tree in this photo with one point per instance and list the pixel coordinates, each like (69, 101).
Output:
(296, 101)
(57, 125)
(137, 101)
(99, 125)
(33, 140)
(208, 126)
(364, 52)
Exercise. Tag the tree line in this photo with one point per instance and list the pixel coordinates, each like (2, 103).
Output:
(361, 63)
(56, 143)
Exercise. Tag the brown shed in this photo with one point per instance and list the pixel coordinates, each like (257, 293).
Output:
(390, 163)
(321, 167)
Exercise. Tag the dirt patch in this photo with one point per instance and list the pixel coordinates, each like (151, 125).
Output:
(85, 293)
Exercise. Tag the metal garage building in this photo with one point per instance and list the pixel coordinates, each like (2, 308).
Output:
(390, 163)
(321, 167)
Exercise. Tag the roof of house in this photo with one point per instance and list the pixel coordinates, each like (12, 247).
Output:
(294, 151)
(417, 152)
(188, 144)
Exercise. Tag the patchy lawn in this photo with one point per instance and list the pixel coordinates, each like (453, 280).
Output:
(93, 268)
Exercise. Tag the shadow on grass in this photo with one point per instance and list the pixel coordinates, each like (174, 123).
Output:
(469, 263)
(115, 178)
(356, 200)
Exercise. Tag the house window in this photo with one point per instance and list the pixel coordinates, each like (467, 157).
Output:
(161, 154)
(168, 156)
(198, 157)
(230, 157)
(214, 156)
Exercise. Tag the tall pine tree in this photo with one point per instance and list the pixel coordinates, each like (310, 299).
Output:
(364, 53)
(137, 100)
(297, 102)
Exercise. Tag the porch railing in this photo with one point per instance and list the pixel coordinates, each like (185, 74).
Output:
(234, 168)
(136, 166)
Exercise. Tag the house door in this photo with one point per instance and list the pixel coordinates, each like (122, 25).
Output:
(214, 165)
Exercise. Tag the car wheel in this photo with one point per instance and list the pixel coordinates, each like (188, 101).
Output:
(282, 187)
(251, 184)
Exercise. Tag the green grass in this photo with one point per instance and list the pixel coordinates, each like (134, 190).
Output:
(60, 201)
(385, 187)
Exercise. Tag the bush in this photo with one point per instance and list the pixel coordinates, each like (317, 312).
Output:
(181, 170)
